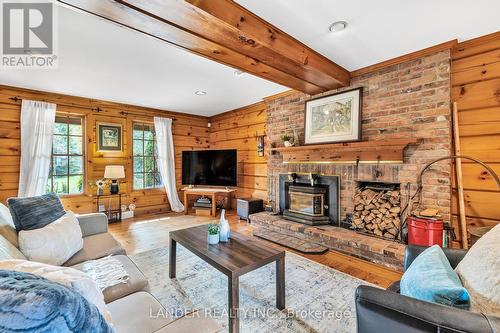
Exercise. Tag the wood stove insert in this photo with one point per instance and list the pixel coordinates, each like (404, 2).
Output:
(310, 198)
(307, 205)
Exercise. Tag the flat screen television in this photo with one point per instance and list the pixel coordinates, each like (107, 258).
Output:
(209, 167)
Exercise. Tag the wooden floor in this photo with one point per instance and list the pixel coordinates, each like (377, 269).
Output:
(151, 231)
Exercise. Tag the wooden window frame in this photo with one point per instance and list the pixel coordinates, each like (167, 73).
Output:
(156, 172)
(68, 155)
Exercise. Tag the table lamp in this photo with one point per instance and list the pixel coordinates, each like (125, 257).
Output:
(114, 172)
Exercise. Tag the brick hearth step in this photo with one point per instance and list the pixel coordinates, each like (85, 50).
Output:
(299, 244)
(380, 251)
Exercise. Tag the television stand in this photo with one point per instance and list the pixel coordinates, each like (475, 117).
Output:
(208, 192)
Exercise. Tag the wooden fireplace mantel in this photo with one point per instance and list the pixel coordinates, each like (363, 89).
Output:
(389, 151)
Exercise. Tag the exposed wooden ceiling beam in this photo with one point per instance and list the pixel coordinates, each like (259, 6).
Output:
(206, 25)
(249, 25)
(187, 26)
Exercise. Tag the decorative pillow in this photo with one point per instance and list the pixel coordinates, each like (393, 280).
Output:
(430, 278)
(67, 276)
(479, 271)
(9, 251)
(7, 228)
(32, 303)
(53, 244)
(35, 212)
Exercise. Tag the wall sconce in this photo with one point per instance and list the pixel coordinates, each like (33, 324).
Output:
(260, 145)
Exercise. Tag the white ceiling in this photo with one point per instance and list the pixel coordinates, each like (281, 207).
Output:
(99, 59)
(378, 30)
(102, 60)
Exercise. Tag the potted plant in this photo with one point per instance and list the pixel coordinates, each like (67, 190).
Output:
(213, 233)
(287, 140)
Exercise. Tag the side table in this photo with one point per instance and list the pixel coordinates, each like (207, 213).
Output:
(114, 215)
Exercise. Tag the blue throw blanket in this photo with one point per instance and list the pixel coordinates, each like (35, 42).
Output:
(29, 303)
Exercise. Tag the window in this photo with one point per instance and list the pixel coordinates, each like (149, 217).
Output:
(146, 173)
(66, 167)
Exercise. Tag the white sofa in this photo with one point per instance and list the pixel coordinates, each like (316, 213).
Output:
(132, 307)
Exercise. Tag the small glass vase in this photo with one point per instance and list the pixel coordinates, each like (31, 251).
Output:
(225, 231)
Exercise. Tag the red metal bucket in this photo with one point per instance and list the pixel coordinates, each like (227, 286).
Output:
(425, 232)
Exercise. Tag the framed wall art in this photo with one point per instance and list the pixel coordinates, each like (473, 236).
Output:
(109, 137)
(334, 118)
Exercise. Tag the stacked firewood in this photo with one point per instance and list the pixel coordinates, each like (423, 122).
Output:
(377, 212)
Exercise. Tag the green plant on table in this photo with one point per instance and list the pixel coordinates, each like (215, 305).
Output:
(213, 229)
(286, 137)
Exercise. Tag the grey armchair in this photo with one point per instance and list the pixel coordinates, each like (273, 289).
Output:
(387, 311)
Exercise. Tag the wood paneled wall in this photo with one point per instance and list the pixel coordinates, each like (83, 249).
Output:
(238, 129)
(476, 89)
(189, 131)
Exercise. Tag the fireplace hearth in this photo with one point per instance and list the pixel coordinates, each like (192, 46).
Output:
(310, 198)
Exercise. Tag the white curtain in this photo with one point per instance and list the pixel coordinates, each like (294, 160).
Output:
(37, 126)
(166, 160)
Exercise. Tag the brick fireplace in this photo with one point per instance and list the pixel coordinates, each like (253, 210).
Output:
(408, 100)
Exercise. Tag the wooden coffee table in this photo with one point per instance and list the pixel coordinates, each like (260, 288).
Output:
(235, 258)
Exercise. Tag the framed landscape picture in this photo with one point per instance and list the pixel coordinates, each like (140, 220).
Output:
(334, 118)
(109, 137)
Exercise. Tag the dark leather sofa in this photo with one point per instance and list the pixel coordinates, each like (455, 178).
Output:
(387, 311)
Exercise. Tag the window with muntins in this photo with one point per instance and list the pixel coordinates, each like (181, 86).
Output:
(66, 174)
(146, 174)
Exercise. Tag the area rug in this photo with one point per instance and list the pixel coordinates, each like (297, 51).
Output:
(318, 298)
